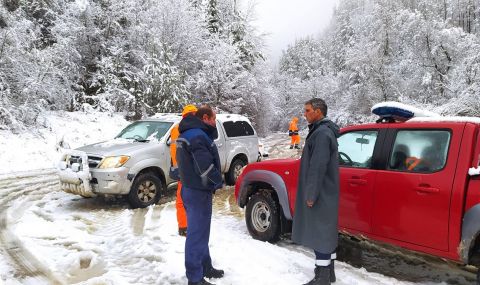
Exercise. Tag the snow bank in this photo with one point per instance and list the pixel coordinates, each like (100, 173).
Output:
(41, 148)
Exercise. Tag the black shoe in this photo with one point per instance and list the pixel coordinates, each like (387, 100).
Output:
(322, 276)
(213, 273)
(333, 278)
(182, 232)
(291, 147)
(297, 147)
(201, 282)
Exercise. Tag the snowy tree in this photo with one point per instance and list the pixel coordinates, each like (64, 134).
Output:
(303, 59)
(419, 52)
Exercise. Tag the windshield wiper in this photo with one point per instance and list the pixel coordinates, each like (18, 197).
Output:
(138, 140)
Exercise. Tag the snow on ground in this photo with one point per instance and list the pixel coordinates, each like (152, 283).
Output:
(73, 240)
(93, 241)
(40, 148)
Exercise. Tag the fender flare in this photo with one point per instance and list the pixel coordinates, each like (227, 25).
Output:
(270, 178)
(232, 155)
(470, 231)
(141, 165)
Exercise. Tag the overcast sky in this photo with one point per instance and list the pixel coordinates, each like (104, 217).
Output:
(287, 20)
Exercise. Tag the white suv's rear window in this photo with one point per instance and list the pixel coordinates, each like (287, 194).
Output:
(238, 129)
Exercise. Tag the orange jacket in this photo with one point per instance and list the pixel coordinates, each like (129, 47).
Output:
(293, 128)
(173, 145)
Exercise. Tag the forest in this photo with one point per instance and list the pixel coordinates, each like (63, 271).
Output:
(141, 57)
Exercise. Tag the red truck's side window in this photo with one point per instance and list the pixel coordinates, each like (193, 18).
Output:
(420, 150)
(356, 148)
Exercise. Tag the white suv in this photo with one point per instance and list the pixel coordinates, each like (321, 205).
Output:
(136, 163)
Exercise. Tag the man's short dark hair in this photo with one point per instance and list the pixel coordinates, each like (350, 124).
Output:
(204, 110)
(318, 103)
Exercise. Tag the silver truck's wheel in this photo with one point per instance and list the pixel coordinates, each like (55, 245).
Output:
(234, 171)
(478, 276)
(263, 217)
(146, 190)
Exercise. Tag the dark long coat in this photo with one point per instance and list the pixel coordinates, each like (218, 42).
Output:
(317, 227)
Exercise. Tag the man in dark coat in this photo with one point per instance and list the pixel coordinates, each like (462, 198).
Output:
(316, 207)
(199, 168)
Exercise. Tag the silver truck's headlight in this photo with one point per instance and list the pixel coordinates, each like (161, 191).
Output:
(113, 161)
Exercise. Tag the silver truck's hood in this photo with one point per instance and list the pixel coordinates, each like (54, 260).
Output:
(113, 147)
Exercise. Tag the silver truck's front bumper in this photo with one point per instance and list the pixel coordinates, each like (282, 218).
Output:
(88, 182)
(111, 181)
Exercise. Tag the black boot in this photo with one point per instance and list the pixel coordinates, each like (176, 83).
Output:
(213, 273)
(182, 232)
(333, 278)
(322, 276)
(291, 146)
(201, 282)
(297, 147)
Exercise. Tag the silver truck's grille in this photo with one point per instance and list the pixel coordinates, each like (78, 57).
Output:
(75, 159)
(93, 161)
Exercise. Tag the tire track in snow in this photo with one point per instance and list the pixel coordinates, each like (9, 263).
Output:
(24, 187)
(130, 244)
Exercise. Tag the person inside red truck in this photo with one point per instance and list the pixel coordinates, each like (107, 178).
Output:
(399, 157)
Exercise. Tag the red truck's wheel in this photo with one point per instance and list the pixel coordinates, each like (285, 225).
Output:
(263, 217)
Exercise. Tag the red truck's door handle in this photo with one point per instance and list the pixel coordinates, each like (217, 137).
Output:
(427, 190)
(357, 181)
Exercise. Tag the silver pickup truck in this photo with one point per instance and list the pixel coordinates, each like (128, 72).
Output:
(136, 163)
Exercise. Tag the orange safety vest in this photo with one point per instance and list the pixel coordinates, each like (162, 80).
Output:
(293, 129)
(412, 162)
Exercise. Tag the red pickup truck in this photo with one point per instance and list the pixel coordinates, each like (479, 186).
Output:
(402, 183)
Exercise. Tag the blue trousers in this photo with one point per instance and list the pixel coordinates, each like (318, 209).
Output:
(324, 259)
(198, 205)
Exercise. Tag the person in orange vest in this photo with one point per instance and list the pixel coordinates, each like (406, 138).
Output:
(293, 132)
(188, 110)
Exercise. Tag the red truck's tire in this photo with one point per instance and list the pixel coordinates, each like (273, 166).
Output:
(263, 217)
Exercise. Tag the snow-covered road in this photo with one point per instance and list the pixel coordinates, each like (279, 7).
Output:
(17, 192)
(50, 237)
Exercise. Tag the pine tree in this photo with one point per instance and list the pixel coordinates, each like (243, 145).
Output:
(213, 19)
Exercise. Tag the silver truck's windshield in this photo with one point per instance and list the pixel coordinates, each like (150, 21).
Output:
(144, 131)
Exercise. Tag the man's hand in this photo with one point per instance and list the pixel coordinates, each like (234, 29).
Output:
(218, 186)
(309, 203)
